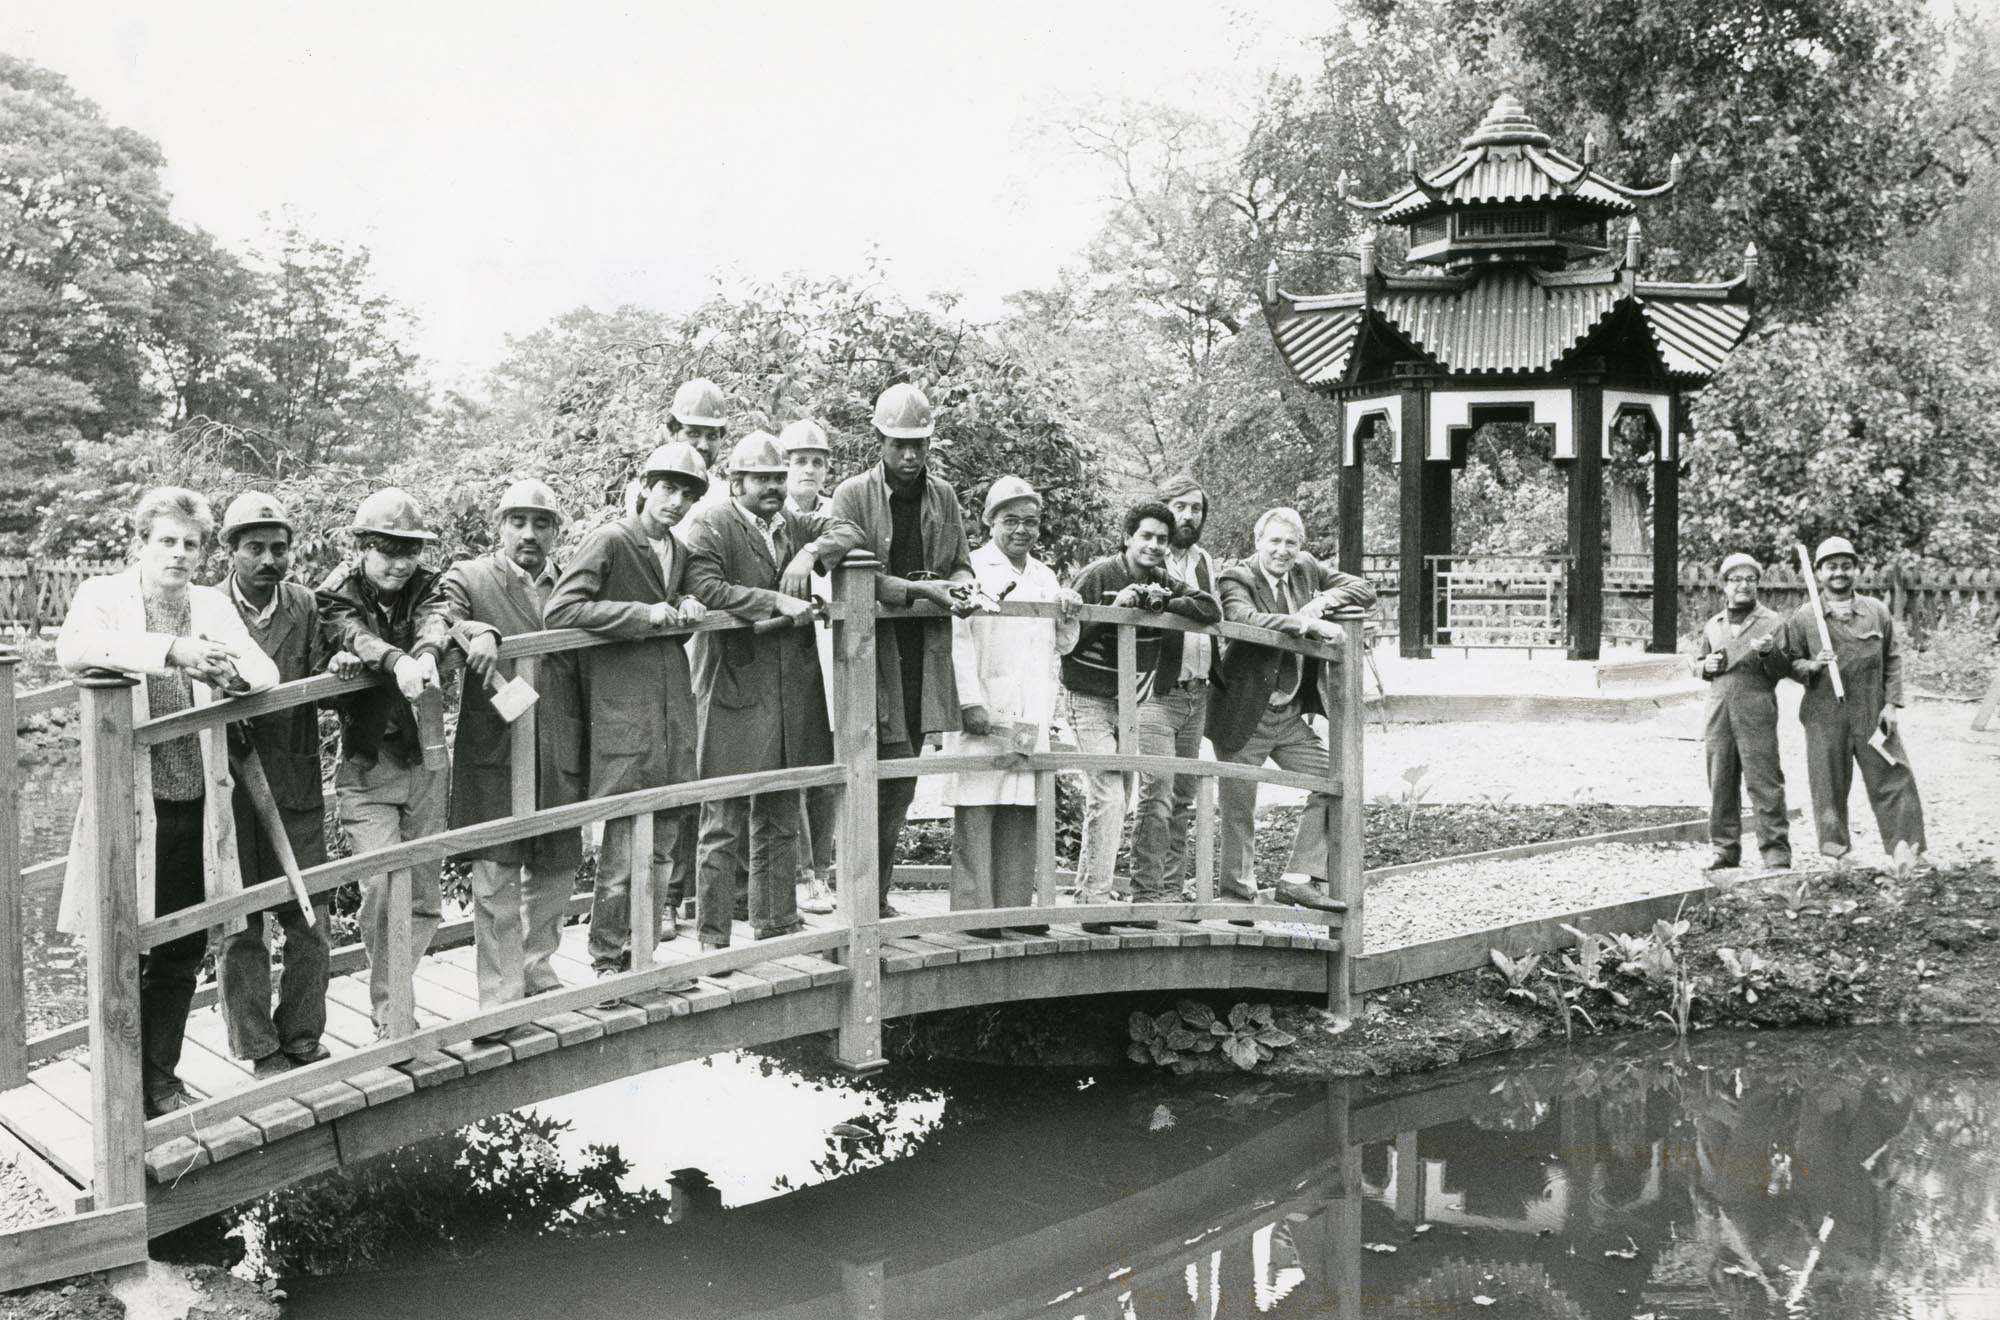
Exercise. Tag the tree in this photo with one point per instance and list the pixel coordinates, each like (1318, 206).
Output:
(81, 216)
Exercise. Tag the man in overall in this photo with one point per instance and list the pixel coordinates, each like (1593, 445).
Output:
(282, 617)
(627, 581)
(1174, 719)
(520, 889)
(760, 701)
(1263, 696)
(1132, 579)
(380, 611)
(1739, 657)
(908, 518)
(808, 456)
(1862, 728)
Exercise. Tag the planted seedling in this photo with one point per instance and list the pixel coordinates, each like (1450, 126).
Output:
(1519, 973)
(1747, 972)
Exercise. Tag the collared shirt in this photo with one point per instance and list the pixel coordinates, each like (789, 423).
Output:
(792, 504)
(767, 530)
(1184, 566)
(262, 618)
(663, 550)
(538, 587)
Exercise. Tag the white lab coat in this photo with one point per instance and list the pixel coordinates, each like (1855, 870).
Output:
(106, 629)
(1009, 667)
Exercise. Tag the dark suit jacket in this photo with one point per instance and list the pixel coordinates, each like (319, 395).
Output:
(637, 728)
(760, 701)
(1247, 674)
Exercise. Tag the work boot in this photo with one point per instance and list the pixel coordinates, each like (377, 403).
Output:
(168, 1100)
(1722, 861)
(1303, 893)
(312, 1052)
(271, 1065)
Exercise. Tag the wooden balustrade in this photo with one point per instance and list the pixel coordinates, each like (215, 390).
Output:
(112, 741)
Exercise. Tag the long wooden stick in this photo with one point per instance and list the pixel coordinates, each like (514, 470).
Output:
(1819, 615)
(250, 772)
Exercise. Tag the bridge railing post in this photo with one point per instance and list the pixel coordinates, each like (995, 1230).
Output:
(117, 1083)
(13, 936)
(859, 1047)
(1345, 858)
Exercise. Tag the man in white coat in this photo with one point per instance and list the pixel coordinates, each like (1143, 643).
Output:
(187, 646)
(1007, 686)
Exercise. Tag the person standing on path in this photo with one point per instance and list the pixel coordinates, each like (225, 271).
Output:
(760, 701)
(186, 646)
(520, 890)
(381, 611)
(1862, 728)
(1006, 670)
(1740, 659)
(282, 617)
(628, 581)
(908, 518)
(1132, 579)
(807, 455)
(1161, 859)
(1264, 695)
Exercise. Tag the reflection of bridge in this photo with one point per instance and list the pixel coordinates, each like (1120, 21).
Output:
(81, 1118)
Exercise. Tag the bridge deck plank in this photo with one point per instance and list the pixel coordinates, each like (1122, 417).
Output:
(379, 1085)
(282, 1118)
(69, 1082)
(616, 1017)
(432, 1069)
(480, 1056)
(528, 1040)
(50, 1127)
(702, 996)
(1026, 944)
(741, 987)
(898, 957)
(208, 1072)
(175, 1159)
(571, 1028)
(1076, 938)
(964, 948)
(821, 970)
(334, 1100)
(782, 979)
(232, 1136)
(1002, 947)
(659, 1005)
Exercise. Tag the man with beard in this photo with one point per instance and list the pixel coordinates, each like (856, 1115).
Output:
(627, 582)
(1742, 663)
(1134, 579)
(760, 701)
(1173, 720)
(1862, 728)
(519, 889)
(283, 619)
(381, 610)
(1264, 695)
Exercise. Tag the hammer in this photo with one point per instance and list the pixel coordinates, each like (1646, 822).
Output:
(250, 772)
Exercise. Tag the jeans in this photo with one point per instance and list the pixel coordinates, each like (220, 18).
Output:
(243, 967)
(992, 857)
(767, 827)
(1169, 725)
(820, 813)
(517, 917)
(167, 971)
(380, 806)
(611, 903)
(1282, 736)
(1107, 797)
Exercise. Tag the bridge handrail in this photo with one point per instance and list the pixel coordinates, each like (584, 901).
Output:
(112, 737)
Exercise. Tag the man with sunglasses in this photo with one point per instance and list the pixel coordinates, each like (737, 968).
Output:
(1738, 655)
(382, 611)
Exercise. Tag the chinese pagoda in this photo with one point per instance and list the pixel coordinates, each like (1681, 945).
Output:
(1511, 312)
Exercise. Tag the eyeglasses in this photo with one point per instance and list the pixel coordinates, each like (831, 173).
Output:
(1735, 578)
(1019, 524)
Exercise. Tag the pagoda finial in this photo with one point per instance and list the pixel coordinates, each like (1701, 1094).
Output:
(1589, 150)
(1271, 281)
(1369, 240)
(1632, 244)
(1410, 156)
(1507, 122)
(1750, 263)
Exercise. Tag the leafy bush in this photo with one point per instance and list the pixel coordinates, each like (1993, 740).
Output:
(1247, 1037)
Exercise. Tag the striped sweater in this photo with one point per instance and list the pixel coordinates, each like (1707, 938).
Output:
(1091, 667)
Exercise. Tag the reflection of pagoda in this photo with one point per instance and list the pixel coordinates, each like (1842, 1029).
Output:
(1511, 324)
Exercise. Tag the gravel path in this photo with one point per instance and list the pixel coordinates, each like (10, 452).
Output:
(21, 1202)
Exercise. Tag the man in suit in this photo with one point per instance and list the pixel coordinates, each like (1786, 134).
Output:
(1740, 658)
(283, 619)
(628, 581)
(760, 702)
(1263, 695)
(519, 889)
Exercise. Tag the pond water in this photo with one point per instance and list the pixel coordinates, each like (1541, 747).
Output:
(1840, 1174)
(50, 788)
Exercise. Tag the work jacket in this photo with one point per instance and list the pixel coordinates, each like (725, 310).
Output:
(1871, 664)
(760, 703)
(862, 501)
(1746, 691)
(354, 618)
(635, 723)
(1007, 666)
(106, 629)
(488, 595)
(287, 741)
(1247, 674)
(1091, 666)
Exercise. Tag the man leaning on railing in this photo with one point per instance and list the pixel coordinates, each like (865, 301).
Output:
(1264, 694)
(186, 645)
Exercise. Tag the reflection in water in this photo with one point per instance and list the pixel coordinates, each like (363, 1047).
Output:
(50, 786)
(1858, 1173)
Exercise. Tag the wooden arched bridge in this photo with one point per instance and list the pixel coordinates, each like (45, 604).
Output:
(79, 1112)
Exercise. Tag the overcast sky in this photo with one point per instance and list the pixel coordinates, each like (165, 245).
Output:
(507, 162)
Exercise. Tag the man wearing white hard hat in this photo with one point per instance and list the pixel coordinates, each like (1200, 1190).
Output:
(1007, 688)
(1863, 727)
(810, 456)
(760, 700)
(519, 889)
(282, 617)
(1738, 655)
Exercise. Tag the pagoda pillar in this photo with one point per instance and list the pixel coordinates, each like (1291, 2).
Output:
(1586, 521)
(1352, 479)
(1414, 608)
(1667, 535)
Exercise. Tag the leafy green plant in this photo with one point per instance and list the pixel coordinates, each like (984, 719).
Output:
(1172, 1039)
(1749, 975)
(1520, 973)
(1250, 1036)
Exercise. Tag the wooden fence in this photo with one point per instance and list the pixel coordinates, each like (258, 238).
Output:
(36, 592)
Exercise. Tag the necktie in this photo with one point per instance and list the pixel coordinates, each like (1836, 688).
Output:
(1289, 665)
